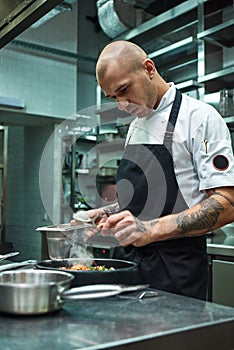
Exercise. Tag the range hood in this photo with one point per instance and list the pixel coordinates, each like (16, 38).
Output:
(17, 15)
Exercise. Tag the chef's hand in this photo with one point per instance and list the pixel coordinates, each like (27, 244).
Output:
(127, 229)
(100, 218)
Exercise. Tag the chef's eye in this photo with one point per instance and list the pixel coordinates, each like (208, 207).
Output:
(123, 90)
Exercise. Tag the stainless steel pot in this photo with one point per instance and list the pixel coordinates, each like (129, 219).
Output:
(37, 292)
(32, 292)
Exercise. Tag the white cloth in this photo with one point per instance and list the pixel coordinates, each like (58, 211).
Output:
(200, 136)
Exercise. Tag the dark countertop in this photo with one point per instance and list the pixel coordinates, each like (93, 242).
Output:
(165, 321)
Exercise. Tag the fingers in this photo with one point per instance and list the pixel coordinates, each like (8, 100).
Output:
(121, 218)
(90, 232)
(123, 226)
(125, 235)
(127, 229)
(73, 222)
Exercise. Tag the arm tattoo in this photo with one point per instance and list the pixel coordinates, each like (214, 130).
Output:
(222, 195)
(153, 222)
(140, 226)
(111, 209)
(204, 218)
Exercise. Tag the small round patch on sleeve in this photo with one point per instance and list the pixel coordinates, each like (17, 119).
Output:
(220, 162)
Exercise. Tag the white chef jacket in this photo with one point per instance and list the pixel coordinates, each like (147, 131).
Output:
(201, 149)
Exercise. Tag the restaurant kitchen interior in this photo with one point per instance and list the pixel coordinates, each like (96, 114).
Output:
(47, 80)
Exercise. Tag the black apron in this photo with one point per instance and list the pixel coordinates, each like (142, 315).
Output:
(147, 187)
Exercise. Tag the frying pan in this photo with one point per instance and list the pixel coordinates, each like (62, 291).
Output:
(125, 272)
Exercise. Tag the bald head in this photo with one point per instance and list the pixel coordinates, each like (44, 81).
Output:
(123, 53)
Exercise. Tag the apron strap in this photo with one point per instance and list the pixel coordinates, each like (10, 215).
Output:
(168, 136)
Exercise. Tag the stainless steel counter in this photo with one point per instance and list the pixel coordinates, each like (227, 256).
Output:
(221, 242)
(165, 321)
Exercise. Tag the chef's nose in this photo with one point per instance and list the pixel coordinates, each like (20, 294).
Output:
(122, 104)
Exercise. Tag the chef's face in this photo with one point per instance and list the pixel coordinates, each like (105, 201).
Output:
(132, 90)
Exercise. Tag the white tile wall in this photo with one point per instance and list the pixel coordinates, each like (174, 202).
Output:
(46, 84)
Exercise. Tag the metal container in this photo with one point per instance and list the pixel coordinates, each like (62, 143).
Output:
(226, 103)
(32, 292)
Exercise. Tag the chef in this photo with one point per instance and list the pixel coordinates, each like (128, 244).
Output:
(175, 181)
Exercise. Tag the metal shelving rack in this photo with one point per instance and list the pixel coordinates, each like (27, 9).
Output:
(180, 51)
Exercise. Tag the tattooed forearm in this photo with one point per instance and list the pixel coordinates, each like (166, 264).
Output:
(153, 223)
(204, 218)
(223, 195)
(140, 226)
(111, 209)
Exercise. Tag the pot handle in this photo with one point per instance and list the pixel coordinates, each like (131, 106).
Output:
(99, 291)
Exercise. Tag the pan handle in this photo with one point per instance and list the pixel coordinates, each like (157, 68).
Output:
(15, 265)
(99, 291)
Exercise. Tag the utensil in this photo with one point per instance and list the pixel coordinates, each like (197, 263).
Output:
(8, 255)
(58, 245)
(15, 265)
(100, 291)
(82, 216)
(125, 272)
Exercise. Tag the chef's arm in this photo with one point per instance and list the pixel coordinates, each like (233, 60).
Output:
(210, 214)
(215, 211)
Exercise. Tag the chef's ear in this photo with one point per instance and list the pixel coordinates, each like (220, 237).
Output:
(149, 67)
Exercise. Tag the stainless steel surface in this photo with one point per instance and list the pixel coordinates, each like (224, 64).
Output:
(220, 249)
(8, 255)
(166, 321)
(16, 16)
(16, 265)
(223, 282)
(32, 292)
(75, 238)
(221, 243)
(99, 291)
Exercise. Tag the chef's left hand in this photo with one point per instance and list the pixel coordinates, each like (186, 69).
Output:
(127, 229)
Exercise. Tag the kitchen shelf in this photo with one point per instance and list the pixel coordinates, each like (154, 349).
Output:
(229, 120)
(177, 42)
(221, 34)
(216, 75)
(159, 20)
(218, 80)
(178, 46)
(189, 84)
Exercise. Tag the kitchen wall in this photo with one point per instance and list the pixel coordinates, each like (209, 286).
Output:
(44, 82)
(25, 211)
(51, 83)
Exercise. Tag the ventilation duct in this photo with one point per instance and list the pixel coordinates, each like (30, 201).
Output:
(115, 17)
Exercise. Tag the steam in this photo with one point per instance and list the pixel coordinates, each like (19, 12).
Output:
(78, 249)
